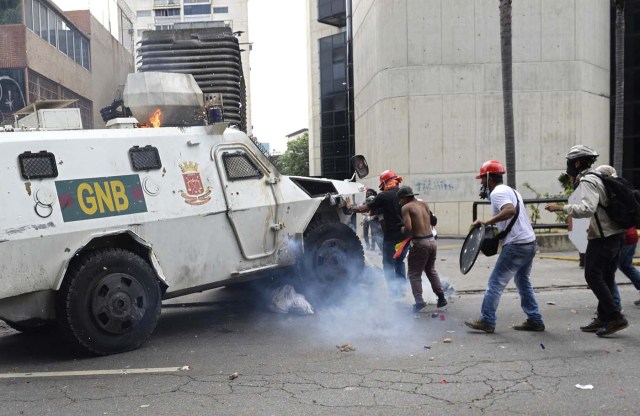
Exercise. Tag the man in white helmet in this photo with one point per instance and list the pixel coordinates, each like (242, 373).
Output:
(605, 239)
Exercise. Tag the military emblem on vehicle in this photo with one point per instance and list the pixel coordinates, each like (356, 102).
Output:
(195, 194)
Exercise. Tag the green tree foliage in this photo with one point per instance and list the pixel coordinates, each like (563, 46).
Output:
(295, 161)
(10, 12)
(567, 190)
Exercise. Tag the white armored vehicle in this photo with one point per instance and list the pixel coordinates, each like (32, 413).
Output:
(99, 226)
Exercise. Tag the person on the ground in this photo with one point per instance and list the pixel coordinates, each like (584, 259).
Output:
(387, 202)
(605, 240)
(371, 223)
(515, 259)
(625, 260)
(422, 254)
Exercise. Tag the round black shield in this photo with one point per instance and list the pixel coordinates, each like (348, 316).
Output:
(471, 249)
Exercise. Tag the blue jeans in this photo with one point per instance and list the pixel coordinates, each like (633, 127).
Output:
(394, 270)
(514, 261)
(625, 265)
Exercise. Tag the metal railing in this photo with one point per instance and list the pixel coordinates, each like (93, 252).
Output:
(528, 202)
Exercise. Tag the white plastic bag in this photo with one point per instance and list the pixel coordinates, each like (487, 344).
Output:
(285, 299)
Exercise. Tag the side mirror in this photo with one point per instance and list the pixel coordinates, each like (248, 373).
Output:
(360, 165)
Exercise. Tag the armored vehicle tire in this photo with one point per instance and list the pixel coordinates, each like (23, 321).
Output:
(109, 302)
(333, 254)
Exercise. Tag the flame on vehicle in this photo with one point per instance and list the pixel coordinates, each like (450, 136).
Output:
(155, 119)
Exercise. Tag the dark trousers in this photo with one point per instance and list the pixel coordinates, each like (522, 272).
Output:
(394, 270)
(601, 262)
(376, 233)
(422, 258)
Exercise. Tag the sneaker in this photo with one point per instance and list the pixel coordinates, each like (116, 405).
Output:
(529, 326)
(480, 325)
(442, 301)
(593, 326)
(419, 306)
(612, 326)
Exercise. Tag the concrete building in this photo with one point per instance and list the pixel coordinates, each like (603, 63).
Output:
(174, 14)
(428, 92)
(51, 54)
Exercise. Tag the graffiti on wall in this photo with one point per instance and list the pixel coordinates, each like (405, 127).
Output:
(430, 185)
(12, 89)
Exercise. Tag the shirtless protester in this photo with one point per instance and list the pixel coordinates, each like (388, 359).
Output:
(422, 254)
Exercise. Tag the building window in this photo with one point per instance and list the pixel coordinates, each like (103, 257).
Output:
(220, 10)
(143, 13)
(197, 9)
(62, 36)
(51, 24)
(167, 12)
(44, 29)
(164, 27)
(28, 14)
(10, 12)
(53, 28)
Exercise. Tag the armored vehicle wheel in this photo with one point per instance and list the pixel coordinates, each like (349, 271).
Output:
(333, 254)
(109, 301)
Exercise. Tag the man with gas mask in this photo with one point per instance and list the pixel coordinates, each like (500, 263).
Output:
(604, 240)
(518, 249)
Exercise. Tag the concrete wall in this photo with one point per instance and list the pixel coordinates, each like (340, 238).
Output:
(428, 102)
(315, 31)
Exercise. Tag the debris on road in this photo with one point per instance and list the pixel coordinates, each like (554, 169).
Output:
(585, 386)
(447, 340)
(185, 368)
(285, 299)
(346, 347)
(551, 303)
(234, 376)
(542, 346)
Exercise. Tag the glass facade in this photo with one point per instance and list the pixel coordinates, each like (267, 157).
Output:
(197, 9)
(332, 12)
(55, 29)
(42, 88)
(10, 12)
(631, 133)
(336, 141)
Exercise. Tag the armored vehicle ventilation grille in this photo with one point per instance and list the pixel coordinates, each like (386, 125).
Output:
(38, 165)
(238, 166)
(145, 158)
(315, 188)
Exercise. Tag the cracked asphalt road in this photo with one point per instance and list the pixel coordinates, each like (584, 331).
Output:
(289, 365)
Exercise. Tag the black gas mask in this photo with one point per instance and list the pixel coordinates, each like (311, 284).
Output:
(572, 170)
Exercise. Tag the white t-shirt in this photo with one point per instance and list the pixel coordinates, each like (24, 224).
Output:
(521, 232)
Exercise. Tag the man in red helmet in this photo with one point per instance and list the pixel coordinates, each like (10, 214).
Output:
(387, 202)
(518, 249)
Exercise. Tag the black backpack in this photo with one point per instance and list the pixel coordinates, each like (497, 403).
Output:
(624, 201)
